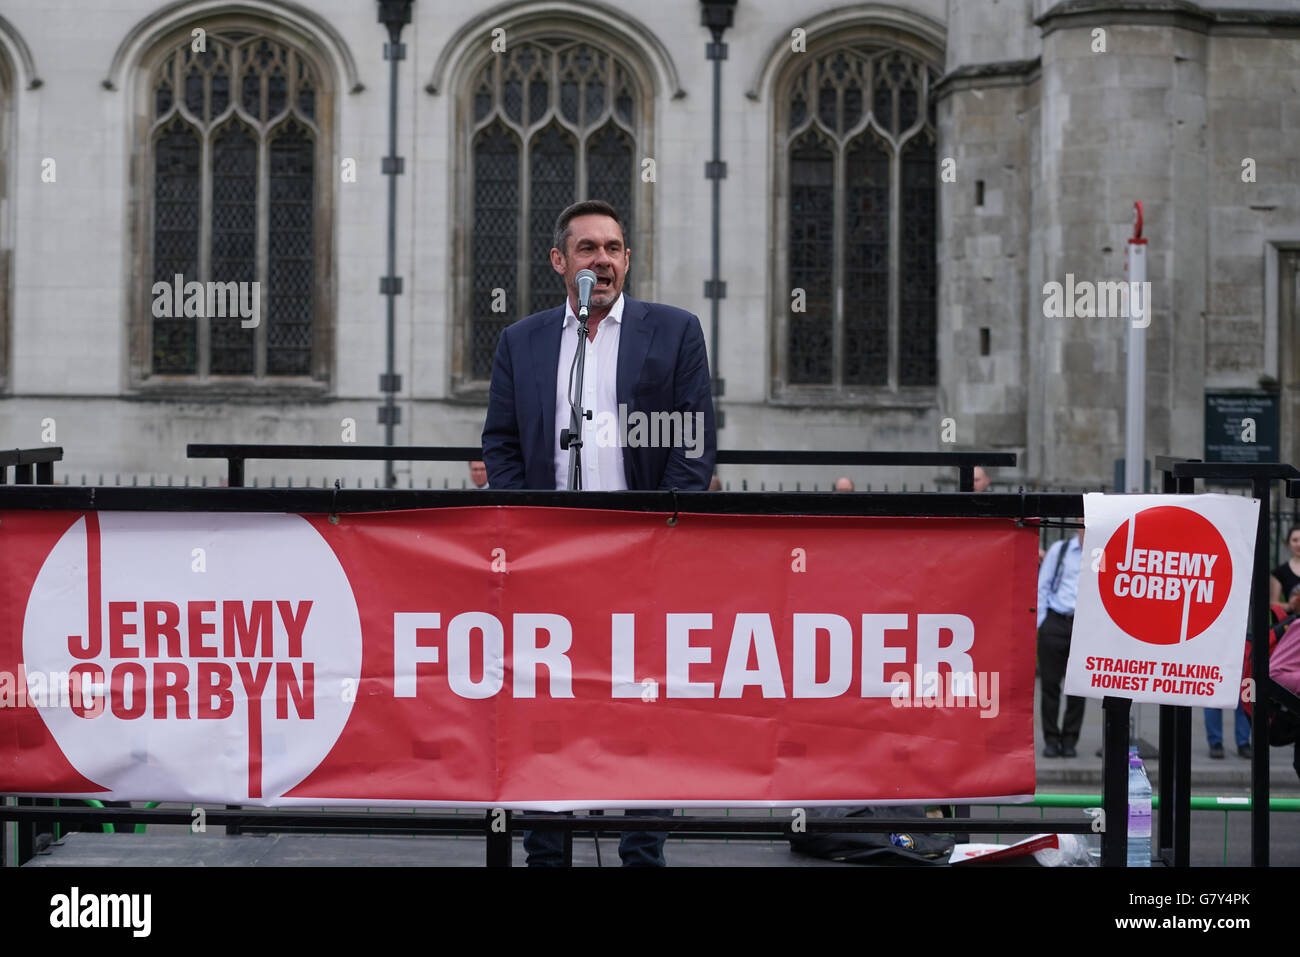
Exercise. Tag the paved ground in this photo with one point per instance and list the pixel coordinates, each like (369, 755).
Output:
(1227, 776)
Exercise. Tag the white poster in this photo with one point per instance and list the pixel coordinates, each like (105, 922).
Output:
(1164, 598)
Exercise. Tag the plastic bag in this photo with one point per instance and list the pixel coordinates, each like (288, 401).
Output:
(1071, 851)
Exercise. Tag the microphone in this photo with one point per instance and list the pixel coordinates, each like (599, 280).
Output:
(586, 280)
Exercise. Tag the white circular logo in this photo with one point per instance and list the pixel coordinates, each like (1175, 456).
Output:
(208, 654)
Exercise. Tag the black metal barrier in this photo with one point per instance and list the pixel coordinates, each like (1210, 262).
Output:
(23, 460)
(1029, 508)
(1174, 829)
(1180, 476)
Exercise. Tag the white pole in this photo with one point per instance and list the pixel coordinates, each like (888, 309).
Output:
(1135, 420)
(1135, 410)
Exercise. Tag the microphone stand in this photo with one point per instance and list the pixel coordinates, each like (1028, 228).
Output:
(571, 437)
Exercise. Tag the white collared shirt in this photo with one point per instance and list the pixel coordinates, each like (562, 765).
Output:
(1059, 592)
(602, 461)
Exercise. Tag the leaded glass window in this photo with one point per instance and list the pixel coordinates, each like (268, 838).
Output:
(858, 152)
(553, 120)
(235, 158)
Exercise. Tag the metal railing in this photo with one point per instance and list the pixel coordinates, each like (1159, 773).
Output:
(1179, 476)
(763, 829)
(23, 461)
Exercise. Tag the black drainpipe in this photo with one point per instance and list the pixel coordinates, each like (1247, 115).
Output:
(717, 15)
(393, 14)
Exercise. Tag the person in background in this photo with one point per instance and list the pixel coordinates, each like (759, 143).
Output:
(715, 483)
(1058, 585)
(1286, 576)
(1282, 616)
(478, 474)
(843, 484)
(981, 479)
(1241, 717)
(1240, 729)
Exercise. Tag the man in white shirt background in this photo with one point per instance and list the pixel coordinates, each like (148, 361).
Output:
(1058, 587)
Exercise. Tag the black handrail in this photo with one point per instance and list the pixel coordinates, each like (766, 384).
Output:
(22, 461)
(1027, 507)
(236, 454)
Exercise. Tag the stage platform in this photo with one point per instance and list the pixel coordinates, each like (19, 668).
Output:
(309, 850)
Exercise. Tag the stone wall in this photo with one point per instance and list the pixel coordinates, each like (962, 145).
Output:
(1062, 138)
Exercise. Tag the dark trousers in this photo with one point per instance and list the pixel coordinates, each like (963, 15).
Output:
(636, 848)
(1053, 652)
(1240, 726)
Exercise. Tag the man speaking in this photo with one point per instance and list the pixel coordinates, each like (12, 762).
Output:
(642, 363)
(640, 358)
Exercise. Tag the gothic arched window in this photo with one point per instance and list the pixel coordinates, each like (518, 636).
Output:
(237, 168)
(855, 283)
(549, 122)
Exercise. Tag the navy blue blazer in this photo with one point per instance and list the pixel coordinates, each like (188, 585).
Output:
(662, 367)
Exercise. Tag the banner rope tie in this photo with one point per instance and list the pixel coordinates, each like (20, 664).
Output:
(334, 498)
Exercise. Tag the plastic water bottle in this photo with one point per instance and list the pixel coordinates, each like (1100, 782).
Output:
(1139, 812)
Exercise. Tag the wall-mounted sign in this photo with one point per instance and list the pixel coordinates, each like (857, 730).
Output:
(1241, 427)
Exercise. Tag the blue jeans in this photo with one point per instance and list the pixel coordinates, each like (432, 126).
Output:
(636, 848)
(1240, 726)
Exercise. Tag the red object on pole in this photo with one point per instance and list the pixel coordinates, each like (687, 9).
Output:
(1137, 223)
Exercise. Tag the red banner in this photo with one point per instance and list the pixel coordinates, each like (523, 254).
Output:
(516, 657)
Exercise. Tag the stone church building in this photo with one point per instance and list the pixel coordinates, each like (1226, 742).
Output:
(902, 181)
